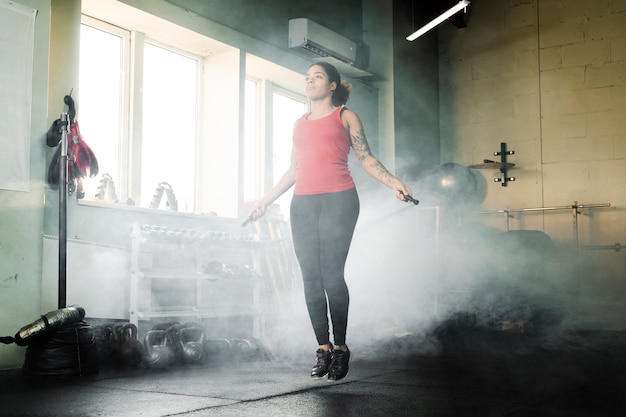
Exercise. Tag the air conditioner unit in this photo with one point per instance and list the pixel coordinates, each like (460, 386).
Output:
(317, 41)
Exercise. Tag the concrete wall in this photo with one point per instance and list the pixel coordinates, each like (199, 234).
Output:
(21, 213)
(270, 21)
(548, 77)
(416, 95)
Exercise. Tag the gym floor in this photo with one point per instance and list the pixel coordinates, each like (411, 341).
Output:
(474, 373)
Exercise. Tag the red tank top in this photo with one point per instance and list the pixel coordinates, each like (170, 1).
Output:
(322, 148)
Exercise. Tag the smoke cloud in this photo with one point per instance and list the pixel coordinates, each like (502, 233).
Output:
(416, 274)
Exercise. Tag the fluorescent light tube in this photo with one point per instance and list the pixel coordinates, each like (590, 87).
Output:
(460, 5)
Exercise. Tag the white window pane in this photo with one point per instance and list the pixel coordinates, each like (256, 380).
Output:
(99, 104)
(252, 182)
(169, 125)
(286, 111)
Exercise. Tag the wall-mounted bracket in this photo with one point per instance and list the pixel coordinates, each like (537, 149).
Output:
(503, 165)
(504, 168)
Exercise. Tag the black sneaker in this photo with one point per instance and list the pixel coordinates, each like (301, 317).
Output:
(324, 358)
(339, 366)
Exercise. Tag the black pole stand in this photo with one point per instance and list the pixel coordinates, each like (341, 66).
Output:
(65, 124)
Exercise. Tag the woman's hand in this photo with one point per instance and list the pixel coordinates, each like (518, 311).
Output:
(403, 192)
(258, 210)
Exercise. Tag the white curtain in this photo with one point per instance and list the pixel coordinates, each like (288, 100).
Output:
(17, 29)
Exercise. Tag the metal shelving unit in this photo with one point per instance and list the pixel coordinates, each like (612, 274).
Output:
(179, 258)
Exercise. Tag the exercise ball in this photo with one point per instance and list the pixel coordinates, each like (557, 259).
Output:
(452, 183)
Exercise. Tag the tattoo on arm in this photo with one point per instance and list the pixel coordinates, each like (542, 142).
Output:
(383, 175)
(360, 145)
(363, 152)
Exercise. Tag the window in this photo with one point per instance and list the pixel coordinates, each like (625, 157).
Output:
(283, 109)
(103, 57)
(252, 183)
(287, 107)
(169, 110)
(161, 104)
(169, 128)
(274, 101)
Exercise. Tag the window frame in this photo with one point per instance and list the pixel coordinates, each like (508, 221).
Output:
(272, 88)
(123, 168)
(271, 77)
(130, 138)
(137, 118)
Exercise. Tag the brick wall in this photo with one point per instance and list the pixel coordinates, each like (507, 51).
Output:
(548, 77)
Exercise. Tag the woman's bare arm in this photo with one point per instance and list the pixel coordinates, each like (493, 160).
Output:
(368, 161)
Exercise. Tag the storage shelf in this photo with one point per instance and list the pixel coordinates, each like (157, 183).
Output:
(164, 273)
(194, 313)
(148, 247)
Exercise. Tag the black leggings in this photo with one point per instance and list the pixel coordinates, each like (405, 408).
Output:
(322, 226)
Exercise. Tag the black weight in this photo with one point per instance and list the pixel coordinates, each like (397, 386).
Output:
(68, 351)
(103, 337)
(49, 322)
(128, 351)
(189, 343)
(157, 347)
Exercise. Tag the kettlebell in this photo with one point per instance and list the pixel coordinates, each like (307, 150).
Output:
(128, 350)
(191, 339)
(158, 351)
(103, 337)
(173, 332)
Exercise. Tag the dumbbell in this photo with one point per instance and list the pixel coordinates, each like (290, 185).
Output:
(243, 346)
(216, 346)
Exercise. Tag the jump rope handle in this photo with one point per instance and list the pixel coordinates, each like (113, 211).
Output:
(248, 220)
(410, 198)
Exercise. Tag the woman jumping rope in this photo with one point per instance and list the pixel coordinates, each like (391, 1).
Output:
(325, 207)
